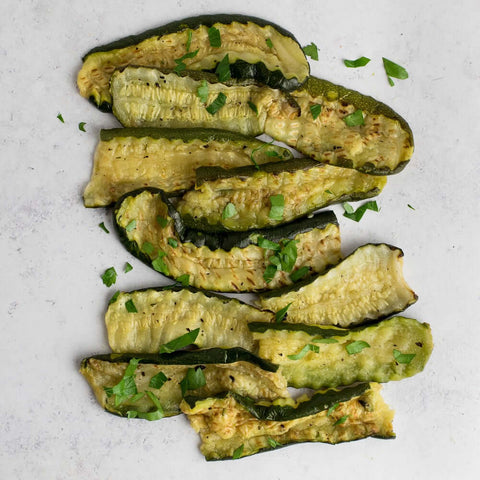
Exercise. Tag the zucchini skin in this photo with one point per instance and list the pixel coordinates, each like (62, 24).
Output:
(126, 159)
(333, 365)
(221, 262)
(250, 188)
(227, 427)
(240, 68)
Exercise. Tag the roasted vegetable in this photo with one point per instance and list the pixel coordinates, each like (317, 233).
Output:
(164, 314)
(234, 427)
(130, 158)
(318, 357)
(378, 142)
(146, 221)
(305, 185)
(256, 49)
(367, 285)
(230, 369)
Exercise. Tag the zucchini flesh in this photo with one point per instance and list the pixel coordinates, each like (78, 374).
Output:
(227, 426)
(130, 158)
(333, 365)
(367, 285)
(382, 145)
(249, 189)
(233, 369)
(240, 268)
(164, 314)
(243, 38)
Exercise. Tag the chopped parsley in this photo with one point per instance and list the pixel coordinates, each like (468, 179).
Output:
(155, 415)
(307, 348)
(394, 70)
(253, 107)
(60, 117)
(114, 297)
(159, 265)
(109, 277)
(409, 206)
(127, 268)
(354, 119)
(184, 280)
(268, 244)
(281, 314)
(147, 247)
(237, 453)
(269, 42)
(356, 347)
(81, 126)
(217, 104)
(269, 273)
(324, 340)
(103, 227)
(126, 387)
(357, 214)
(229, 211)
(193, 379)
(130, 306)
(404, 358)
(158, 380)
(172, 242)
(132, 225)
(223, 69)
(202, 93)
(332, 409)
(273, 443)
(284, 258)
(180, 342)
(359, 62)
(180, 67)
(277, 203)
(189, 40)
(214, 37)
(341, 420)
(311, 51)
(315, 110)
(163, 222)
(299, 274)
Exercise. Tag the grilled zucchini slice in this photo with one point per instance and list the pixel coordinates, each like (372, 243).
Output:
(146, 220)
(250, 190)
(319, 357)
(224, 369)
(256, 49)
(234, 426)
(382, 144)
(367, 285)
(130, 158)
(164, 314)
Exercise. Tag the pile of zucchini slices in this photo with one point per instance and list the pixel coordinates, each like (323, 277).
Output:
(199, 199)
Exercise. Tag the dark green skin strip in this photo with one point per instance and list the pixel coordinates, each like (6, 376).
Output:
(190, 22)
(320, 87)
(224, 241)
(314, 330)
(190, 357)
(319, 402)
(298, 285)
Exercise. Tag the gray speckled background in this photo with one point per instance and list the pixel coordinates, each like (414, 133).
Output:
(53, 252)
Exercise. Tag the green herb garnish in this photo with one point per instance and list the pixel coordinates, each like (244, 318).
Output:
(253, 107)
(404, 358)
(269, 42)
(147, 247)
(307, 348)
(357, 214)
(269, 273)
(214, 37)
(158, 380)
(356, 347)
(409, 206)
(311, 51)
(189, 40)
(354, 119)
(329, 192)
(180, 67)
(229, 211)
(180, 342)
(273, 443)
(114, 297)
(130, 306)
(237, 453)
(315, 110)
(223, 69)
(163, 222)
(81, 126)
(103, 227)
(202, 92)
(109, 277)
(332, 409)
(341, 420)
(277, 203)
(126, 387)
(155, 415)
(132, 225)
(172, 242)
(193, 379)
(59, 116)
(359, 62)
(127, 268)
(281, 314)
(267, 244)
(184, 280)
(299, 274)
(159, 265)
(394, 70)
(324, 340)
(217, 104)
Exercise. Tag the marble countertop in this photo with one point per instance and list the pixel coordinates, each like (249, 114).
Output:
(53, 252)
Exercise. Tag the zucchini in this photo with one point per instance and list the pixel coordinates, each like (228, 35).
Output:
(166, 313)
(223, 262)
(249, 189)
(382, 145)
(232, 426)
(246, 40)
(224, 369)
(130, 158)
(331, 358)
(367, 285)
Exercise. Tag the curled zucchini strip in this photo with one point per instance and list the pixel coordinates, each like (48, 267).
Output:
(250, 191)
(378, 143)
(256, 49)
(164, 314)
(320, 357)
(231, 369)
(367, 285)
(234, 427)
(127, 159)
(150, 229)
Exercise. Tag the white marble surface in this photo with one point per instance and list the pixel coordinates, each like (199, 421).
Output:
(52, 298)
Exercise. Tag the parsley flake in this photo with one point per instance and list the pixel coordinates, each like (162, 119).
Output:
(269, 42)
(394, 70)
(299, 274)
(180, 342)
(409, 206)
(126, 387)
(130, 306)
(354, 119)
(127, 268)
(151, 416)
(60, 117)
(81, 126)
(307, 348)
(253, 107)
(180, 67)
(282, 313)
(159, 265)
(356, 215)
(109, 277)
(359, 62)
(324, 340)
(273, 443)
(341, 420)
(147, 247)
(269, 273)
(277, 203)
(184, 280)
(193, 379)
(229, 211)
(315, 110)
(103, 227)
(132, 225)
(263, 242)
(332, 409)
(214, 37)
(158, 380)
(404, 358)
(356, 347)
(202, 93)
(237, 453)
(223, 69)
(311, 51)
(189, 40)
(114, 297)
(163, 222)
(172, 242)
(217, 104)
